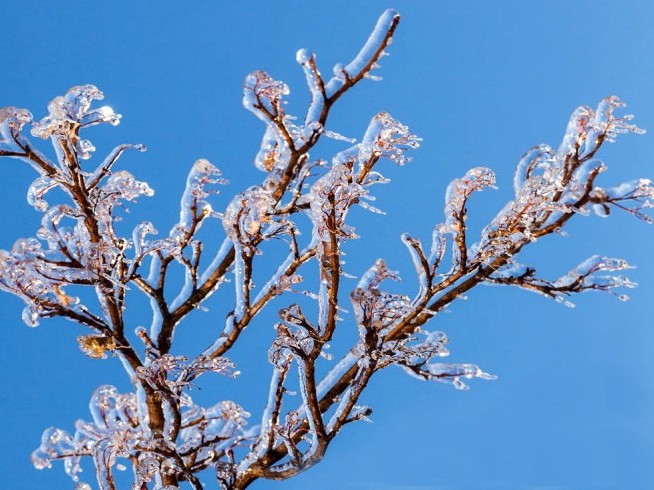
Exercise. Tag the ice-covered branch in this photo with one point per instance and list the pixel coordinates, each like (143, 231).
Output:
(263, 96)
(166, 436)
(366, 59)
(582, 278)
(550, 188)
(634, 197)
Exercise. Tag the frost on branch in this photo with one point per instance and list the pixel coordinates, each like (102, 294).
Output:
(81, 247)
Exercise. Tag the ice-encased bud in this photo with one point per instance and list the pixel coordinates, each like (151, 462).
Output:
(272, 151)
(41, 459)
(387, 137)
(588, 128)
(73, 110)
(85, 149)
(55, 443)
(459, 190)
(303, 56)
(247, 213)
(332, 196)
(262, 93)
(30, 316)
(12, 120)
(193, 207)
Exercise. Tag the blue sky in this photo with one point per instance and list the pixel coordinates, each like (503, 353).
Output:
(481, 82)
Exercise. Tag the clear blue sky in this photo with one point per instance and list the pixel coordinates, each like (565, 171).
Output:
(481, 82)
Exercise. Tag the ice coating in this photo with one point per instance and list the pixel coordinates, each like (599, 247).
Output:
(588, 128)
(331, 198)
(635, 197)
(157, 427)
(549, 185)
(74, 110)
(194, 208)
(117, 432)
(307, 60)
(247, 214)
(109, 436)
(459, 190)
(105, 167)
(12, 120)
(387, 137)
(37, 190)
(587, 276)
(452, 373)
(536, 159)
(263, 93)
(377, 41)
